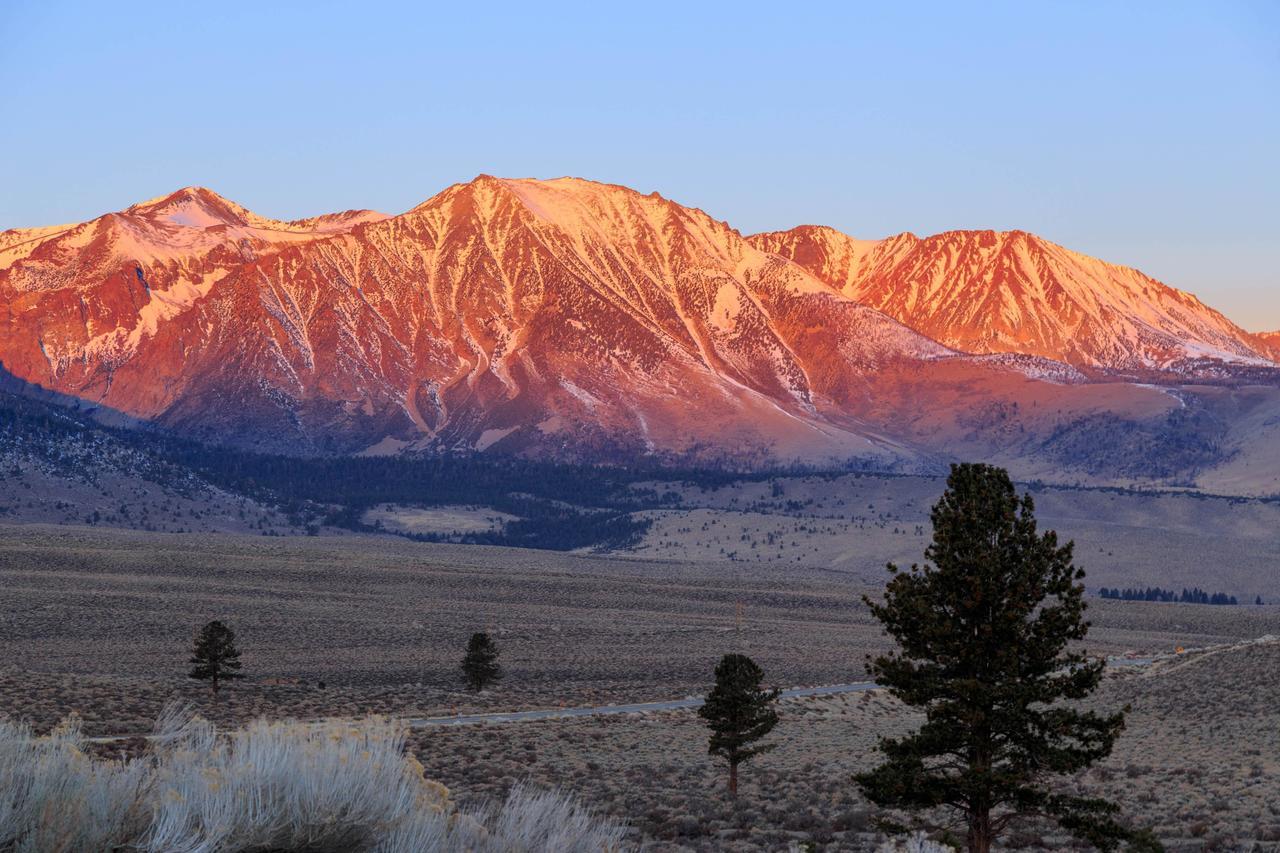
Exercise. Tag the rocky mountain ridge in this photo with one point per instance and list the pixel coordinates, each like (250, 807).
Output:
(1000, 292)
(585, 321)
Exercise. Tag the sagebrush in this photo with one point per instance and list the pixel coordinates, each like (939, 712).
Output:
(270, 785)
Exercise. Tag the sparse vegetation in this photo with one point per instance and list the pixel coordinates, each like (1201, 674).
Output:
(1190, 755)
(916, 842)
(378, 620)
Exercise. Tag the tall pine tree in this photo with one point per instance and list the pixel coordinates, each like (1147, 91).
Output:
(739, 713)
(480, 664)
(983, 630)
(215, 656)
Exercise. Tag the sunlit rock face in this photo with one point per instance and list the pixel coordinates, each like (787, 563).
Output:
(1013, 292)
(579, 320)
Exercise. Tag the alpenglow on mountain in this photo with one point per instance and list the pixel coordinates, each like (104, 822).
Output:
(989, 292)
(579, 320)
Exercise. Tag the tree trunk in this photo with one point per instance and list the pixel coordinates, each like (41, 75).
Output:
(733, 778)
(980, 834)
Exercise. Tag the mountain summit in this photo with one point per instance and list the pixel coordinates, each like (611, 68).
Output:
(1010, 291)
(570, 312)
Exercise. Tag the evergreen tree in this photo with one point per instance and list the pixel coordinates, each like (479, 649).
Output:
(215, 656)
(983, 630)
(739, 713)
(480, 665)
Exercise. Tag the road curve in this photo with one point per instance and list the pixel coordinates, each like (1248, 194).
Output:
(602, 710)
(671, 705)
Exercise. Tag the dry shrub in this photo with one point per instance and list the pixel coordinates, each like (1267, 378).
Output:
(54, 797)
(532, 820)
(270, 785)
(916, 842)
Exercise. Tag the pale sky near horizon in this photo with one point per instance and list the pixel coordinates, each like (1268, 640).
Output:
(1146, 134)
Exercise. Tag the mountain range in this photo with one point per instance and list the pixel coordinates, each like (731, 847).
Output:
(989, 292)
(582, 321)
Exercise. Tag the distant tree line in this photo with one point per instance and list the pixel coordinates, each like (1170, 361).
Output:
(558, 506)
(561, 529)
(1155, 593)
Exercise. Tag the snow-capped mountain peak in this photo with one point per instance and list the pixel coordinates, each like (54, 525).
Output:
(1011, 291)
(193, 207)
(573, 318)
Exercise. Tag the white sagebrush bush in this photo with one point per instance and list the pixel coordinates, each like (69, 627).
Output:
(54, 797)
(284, 785)
(916, 842)
(532, 820)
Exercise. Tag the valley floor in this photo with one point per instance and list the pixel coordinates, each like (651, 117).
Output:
(100, 623)
(857, 523)
(1199, 763)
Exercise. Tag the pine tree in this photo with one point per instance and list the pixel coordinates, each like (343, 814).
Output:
(480, 665)
(983, 630)
(215, 656)
(739, 713)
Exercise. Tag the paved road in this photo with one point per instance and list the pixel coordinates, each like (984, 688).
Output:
(672, 705)
(601, 710)
(637, 708)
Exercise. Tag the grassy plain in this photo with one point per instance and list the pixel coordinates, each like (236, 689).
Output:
(439, 519)
(99, 622)
(1199, 763)
(856, 524)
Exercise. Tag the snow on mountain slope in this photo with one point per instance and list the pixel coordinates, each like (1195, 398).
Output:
(517, 311)
(93, 291)
(993, 292)
(560, 318)
(337, 223)
(1272, 341)
(163, 231)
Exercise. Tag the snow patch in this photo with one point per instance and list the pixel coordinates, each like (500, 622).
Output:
(582, 396)
(725, 310)
(490, 437)
(387, 446)
(161, 307)
(555, 423)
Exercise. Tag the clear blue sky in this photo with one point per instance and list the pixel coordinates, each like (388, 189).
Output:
(1144, 133)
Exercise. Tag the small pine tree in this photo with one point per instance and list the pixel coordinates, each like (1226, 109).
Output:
(215, 656)
(985, 635)
(480, 665)
(739, 713)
